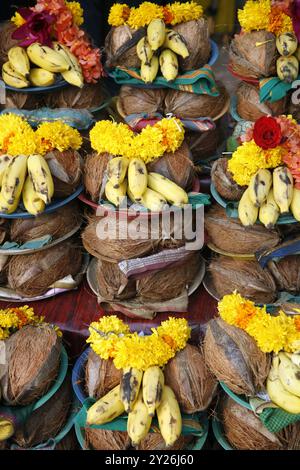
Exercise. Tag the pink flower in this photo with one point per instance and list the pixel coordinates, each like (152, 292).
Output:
(38, 28)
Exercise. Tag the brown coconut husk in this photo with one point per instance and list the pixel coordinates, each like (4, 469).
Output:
(244, 430)
(154, 441)
(141, 100)
(66, 167)
(190, 380)
(230, 235)
(100, 376)
(113, 284)
(48, 420)
(100, 439)
(69, 442)
(187, 105)
(294, 110)
(57, 224)
(246, 276)
(93, 173)
(204, 144)
(224, 182)
(290, 436)
(23, 100)
(87, 97)
(249, 60)
(33, 357)
(4, 230)
(4, 264)
(196, 36)
(234, 358)
(286, 272)
(120, 46)
(249, 106)
(6, 41)
(32, 275)
(177, 167)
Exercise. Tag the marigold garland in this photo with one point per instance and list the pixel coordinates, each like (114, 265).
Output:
(56, 135)
(16, 136)
(111, 338)
(259, 15)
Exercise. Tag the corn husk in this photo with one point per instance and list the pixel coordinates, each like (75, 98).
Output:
(286, 272)
(141, 100)
(93, 173)
(6, 41)
(190, 380)
(196, 35)
(100, 376)
(224, 182)
(100, 439)
(234, 358)
(33, 357)
(120, 47)
(250, 108)
(66, 168)
(154, 441)
(87, 97)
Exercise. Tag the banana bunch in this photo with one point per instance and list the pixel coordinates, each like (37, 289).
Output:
(283, 383)
(151, 190)
(19, 73)
(160, 49)
(288, 63)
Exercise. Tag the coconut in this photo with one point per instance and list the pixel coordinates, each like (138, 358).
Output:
(66, 168)
(254, 54)
(100, 439)
(113, 284)
(187, 105)
(87, 97)
(47, 421)
(286, 272)
(120, 46)
(195, 33)
(33, 356)
(32, 275)
(141, 100)
(23, 100)
(294, 110)
(69, 442)
(249, 106)
(93, 173)
(4, 230)
(234, 358)
(190, 380)
(100, 376)
(204, 144)
(154, 441)
(6, 41)
(245, 276)
(57, 224)
(224, 182)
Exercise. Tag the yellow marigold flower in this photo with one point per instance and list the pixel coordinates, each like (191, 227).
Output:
(148, 144)
(173, 133)
(111, 324)
(76, 11)
(4, 333)
(57, 135)
(279, 22)
(118, 14)
(183, 12)
(16, 136)
(17, 19)
(255, 15)
(12, 319)
(177, 329)
(111, 137)
(231, 305)
(144, 14)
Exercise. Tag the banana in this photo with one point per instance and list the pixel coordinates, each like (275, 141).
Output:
(144, 51)
(168, 64)
(156, 33)
(288, 68)
(149, 70)
(130, 387)
(269, 211)
(153, 384)
(116, 193)
(73, 76)
(13, 78)
(117, 169)
(176, 43)
(278, 394)
(248, 213)
(6, 429)
(7, 208)
(4, 162)
(19, 60)
(32, 203)
(41, 77)
(259, 186)
(173, 193)
(169, 417)
(41, 177)
(47, 58)
(283, 188)
(295, 358)
(137, 178)
(13, 180)
(289, 374)
(286, 44)
(295, 204)
(153, 201)
(106, 409)
(139, 421)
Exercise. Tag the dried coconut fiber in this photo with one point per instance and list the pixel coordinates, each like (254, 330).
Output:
(224, 182)
(195, 33)
(87, 97)
(101, 376)
(6, 41)
(120, 46)
(100, 439)
(250, 108)
(154, 441)
(286, 272)
(66, 169)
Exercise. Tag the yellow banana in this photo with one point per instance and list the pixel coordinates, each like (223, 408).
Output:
(41, 177)
(259, 186)
(106, 409)
(153, 201)
(13, 179)
(137, 178)
(47, 58)
(4, 162)
(156, 33)
(130, 387)
(295, 204)
(173, 193)
(283, 188)
(7, 208)
(149, 70)
(74, 75)
(117, 169)
(287, 44)
(153, 384)
(288, 68)
(176, 43)
(13, 78)
(169, 417)
(248, 213)
(41, 77)
(116, 193)
(139, 421)
(168, 64)
(19, 60)
(32, 203)
(144, 51)
(289, 374)
(6, 429)
(269, 211)
(295, 358)
(278, 394)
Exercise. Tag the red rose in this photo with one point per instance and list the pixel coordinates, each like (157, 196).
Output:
(267, 133)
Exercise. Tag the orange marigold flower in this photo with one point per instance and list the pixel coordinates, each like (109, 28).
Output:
(279, 22)
(168, 15)
(245, 312)
(297, 322)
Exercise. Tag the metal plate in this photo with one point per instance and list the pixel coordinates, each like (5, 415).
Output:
(231, 255)
(60, 83)
(209, 287)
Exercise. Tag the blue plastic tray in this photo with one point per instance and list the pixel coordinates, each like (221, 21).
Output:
(60, 83)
